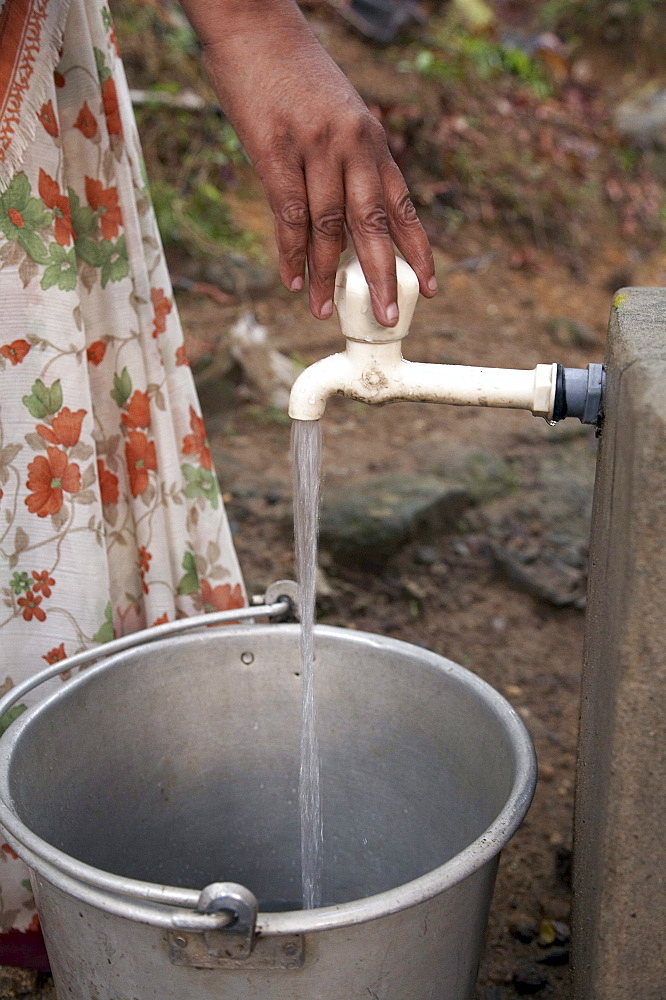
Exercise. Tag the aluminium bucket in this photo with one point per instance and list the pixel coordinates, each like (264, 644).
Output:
(149, 793)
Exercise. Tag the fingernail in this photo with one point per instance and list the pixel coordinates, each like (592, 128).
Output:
(296, 285)
(432, 284)
(327, 309)
(392, 312)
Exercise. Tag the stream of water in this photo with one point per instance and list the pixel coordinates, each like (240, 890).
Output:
(306, 463)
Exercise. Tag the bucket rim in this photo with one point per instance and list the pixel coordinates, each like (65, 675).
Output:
(464, 864)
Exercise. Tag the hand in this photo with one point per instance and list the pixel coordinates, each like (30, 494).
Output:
(321, 155)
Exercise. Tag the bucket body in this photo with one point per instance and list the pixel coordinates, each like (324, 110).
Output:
(176, 765)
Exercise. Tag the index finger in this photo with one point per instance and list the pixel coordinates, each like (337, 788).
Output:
(368, 224)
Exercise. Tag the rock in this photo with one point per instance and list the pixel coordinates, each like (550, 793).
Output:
(642, 117)
(370, 521)
(553, 932)
(485, 474)
(232, 272)
(555, 957)
(529, 979)
(17, 983)
(523, 928)
(540, 539)
(268, 375)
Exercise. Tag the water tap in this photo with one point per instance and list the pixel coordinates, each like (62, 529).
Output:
(372, 369)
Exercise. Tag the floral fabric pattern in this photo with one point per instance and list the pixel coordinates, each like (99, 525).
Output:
(111, 518)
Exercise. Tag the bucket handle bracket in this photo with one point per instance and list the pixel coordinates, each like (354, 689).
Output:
(235, 946)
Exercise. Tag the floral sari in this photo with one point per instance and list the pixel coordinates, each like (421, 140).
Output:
(111, 518)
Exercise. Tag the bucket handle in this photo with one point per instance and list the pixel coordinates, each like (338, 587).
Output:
(237, 906)
(281, 595)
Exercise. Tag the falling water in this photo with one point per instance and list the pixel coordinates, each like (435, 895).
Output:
(306, 457)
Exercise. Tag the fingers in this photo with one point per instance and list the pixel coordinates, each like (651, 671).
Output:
(369, 228)
(326, 238)
(287, 195)
(406, 230)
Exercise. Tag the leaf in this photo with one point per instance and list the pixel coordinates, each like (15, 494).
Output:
(9, 453)
(103, 71)
(21, 540)
(27, 271)
(44, 399)
(11, 254)
(90, 252)
(111, 514)
(88, 275)
(122, 387)
(189, 582)
(84, 218)
(9, 716)
(88, 477)
(82, 452)
(148, 495)
(76, 313)
(34, 246)
(35, 442)
(84, 497)
(13, 560)
(212, 552)
(105, 632)
(59, 519)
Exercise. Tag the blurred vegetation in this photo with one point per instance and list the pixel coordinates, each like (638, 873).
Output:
(193, 155)
(611, 21)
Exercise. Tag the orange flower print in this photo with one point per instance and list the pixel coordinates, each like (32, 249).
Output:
(162, 620)
(65, 428)
(48, 119)
(96, 352)
(196, 443)
(181, 356)
(56, 654)
(141, 459)
(9, 850)
(51, 195)
(86, 122)
(34, 926)
(59, 79)
(105, 203)
(47, 478)
(31, 609)
(144, 565)
(138, 411)
(16, 351)
(111, 109)
(162, 306)
(108, 483)
(221, 598)
(43, 582)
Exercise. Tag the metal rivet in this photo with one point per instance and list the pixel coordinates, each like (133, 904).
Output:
(247, 658)
(290, 949)
(180, 942)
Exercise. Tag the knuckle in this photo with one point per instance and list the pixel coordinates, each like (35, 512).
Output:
(293, 212)
(372, 221)
(405, 213)
(330, 225)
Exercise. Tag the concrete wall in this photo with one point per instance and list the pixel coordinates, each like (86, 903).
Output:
(620, 826)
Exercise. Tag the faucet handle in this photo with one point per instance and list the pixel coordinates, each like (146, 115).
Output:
(352, 299)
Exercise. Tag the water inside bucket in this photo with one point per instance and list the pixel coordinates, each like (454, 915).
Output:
(306, 463)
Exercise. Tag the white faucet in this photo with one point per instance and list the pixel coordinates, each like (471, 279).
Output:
(373, 370)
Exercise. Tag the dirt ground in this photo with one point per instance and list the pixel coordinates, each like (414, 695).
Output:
(500, 304)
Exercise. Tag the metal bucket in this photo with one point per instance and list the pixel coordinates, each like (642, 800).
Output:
(168, 767)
